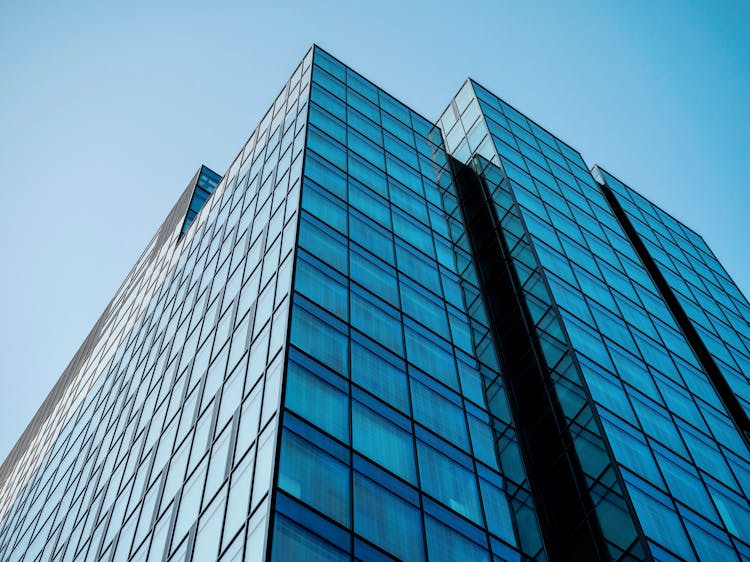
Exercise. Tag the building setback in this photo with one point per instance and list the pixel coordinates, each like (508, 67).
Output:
(377, 337)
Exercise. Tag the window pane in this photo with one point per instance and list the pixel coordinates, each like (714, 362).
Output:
(380, 377)
(319, 402)
(377, 320)
(371, 236)
(291, 542)
(314, 477)
(446, 545)
(383, 441)
(326, 147)
(322, 287)
(321, 340)
(451, 483)
(387, 520)
(374, 276)
(430, 357)
(320, 204)
(323, 173)
(323, 243)
(209, 530)
(439, 414)
(423, 308)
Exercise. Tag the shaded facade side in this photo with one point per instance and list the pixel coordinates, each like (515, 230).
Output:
(563, 450)
(653, 404)
(397, 441)
(713, 306)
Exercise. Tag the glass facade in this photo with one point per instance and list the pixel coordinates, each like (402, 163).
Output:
(672, 459)
(712, 302)
(390, 353)
(381, 338)
(169, 452)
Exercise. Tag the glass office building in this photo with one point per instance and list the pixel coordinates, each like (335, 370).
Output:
(378, 337)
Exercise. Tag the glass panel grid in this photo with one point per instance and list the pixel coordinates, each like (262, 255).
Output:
(399, 412)
(648, 388)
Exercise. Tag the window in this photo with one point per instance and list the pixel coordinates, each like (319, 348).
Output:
(292, 542)
(322, 205)
(387, 520)
(380, 372)
(439, 414)
(371, 236)
(318, 396)
(426, 353)
(326, 175)
(383, 441)
(376, 319)
(324, 243)
(320, 339)
(314, 477)
(321, 285)
(446, 545)
(374, 275)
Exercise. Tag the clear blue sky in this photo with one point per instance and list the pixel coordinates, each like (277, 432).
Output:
(107, 110)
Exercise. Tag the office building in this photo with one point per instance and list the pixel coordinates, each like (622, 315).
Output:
(379, 337)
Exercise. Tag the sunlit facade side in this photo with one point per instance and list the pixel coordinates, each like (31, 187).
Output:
(169, 454)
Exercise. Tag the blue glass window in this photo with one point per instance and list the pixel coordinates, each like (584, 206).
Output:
(430, 355)
(439, 414)
(374, 275)
(383, 441)
(371, 236)
(319, 338)
(376, 319)
(413, 204)
(366, 148)
(325, 174)
(328, 101)
(424, 308)
(292, 542)
(325, 244)
(327, 123)
(446, 545)
(414, 233)
(369, 203)
(497, 510)
(401, 150)
(366, 126)
(418, 267)
(326, 147)
(318, 396)
(367, 174)
(320, 204)
(387, 520)
(330, 64)
(315, 477)
(361, 85)
(661, 522)
(329, 82)
(363, 105)
(378, 371)
(321, 285)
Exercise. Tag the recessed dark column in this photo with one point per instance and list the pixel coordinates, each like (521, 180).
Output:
(556, 478)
